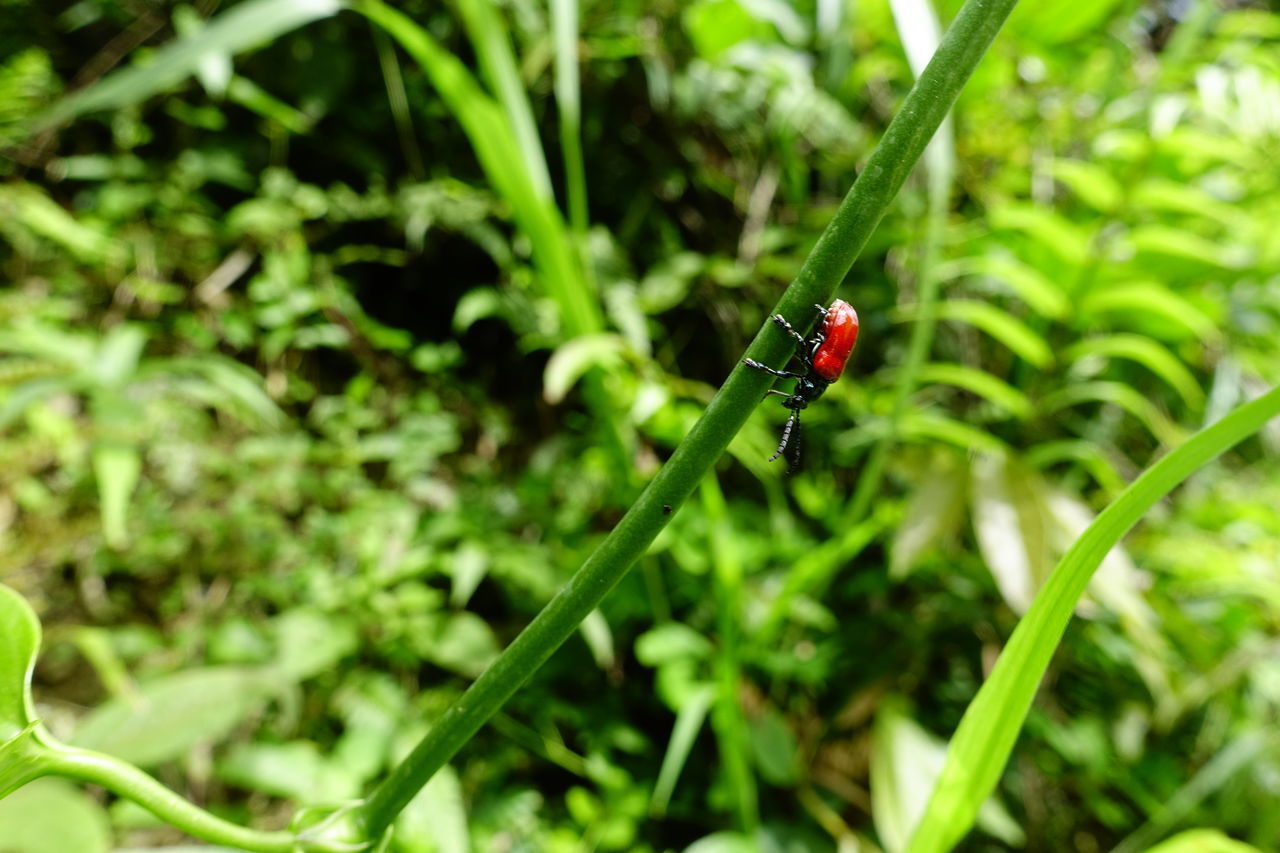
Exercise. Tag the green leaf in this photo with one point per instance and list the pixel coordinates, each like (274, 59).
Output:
(689, 720)
(24, 204)
(1033, 287)
(435, 821)
(571, 361)
(981, 746)
(117, 468)
(981, 383)
(1117, 394)
(461, 642)
(1046, 227)
(774, 747)
(170, 715)
(241, 28)
(309, 642)
(1147, 306)
(19, 645)
(1149, 354)
(296, 770)
(1012, 526)
(1001, 325)
(53, 816)
(671, 641)
(1092, 183)
(1202, 841)
(933, 513)
(905, 762)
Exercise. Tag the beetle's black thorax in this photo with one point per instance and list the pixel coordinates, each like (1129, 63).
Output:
(808, 389)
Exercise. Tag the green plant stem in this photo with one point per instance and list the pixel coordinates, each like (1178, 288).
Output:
(126, 780)
(861, 210)
(990, 726)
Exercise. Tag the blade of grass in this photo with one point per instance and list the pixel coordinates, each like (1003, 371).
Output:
(505, 162)
(488, 34)
(689, 721)
(564, 25)
(241, 28)
(854, 221)
(990, 726)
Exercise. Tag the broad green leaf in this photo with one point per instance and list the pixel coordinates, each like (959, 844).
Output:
(1202, 841)
(981, 383)
(1029, 284)
(905, 762)
(990, 726)
(1047, 23)
(435, 821)
(461, 642)
(116, 467)
(572, 360)
(724, 842)
(243, 27)
(469, 566)
(1149, 354)
(19, 645)
(53, 816)
(1143, 306)
(116, 359)
(309, 642)
(689, 720)
(670, 641)
(774, 748)
(1093, 184)
(1012, 526)
(296, 770)
(933, 514)
(170, 715)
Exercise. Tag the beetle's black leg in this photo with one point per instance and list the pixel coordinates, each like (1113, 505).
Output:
(781, 321)
(792, 422)
(822, 312)
(781, 374)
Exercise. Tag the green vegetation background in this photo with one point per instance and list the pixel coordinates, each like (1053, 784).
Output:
(298, 431)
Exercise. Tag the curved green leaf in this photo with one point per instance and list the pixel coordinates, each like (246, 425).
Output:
(1117, 394)
(1001, 325)
(1132, 303)
(1025, 281)
(19, 645)
(571, 361)
(981, 383)
(985, 738)
(1149, 354)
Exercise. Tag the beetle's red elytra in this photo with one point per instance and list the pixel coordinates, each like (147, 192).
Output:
(824, 355)
(841, 331)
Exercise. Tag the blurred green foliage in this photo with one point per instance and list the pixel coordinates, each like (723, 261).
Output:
(309, 401)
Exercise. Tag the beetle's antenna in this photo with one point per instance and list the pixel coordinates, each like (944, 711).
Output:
(793, 421)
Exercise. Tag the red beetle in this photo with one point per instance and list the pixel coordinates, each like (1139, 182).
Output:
(823, 355)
